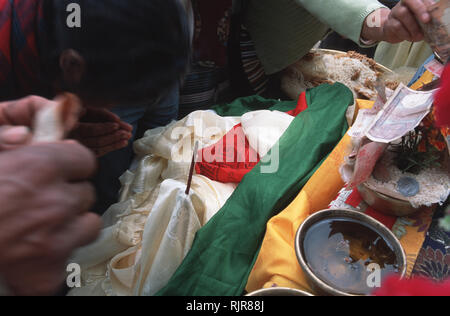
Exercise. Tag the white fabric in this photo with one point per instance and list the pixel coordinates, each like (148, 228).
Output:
(263, 129)
(150, 231)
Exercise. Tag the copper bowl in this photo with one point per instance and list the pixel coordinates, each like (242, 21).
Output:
(279, 291)
(323, 287)
(385, 204)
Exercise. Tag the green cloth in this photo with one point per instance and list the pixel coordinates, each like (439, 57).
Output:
(254, 103)
(286, 30)
(225, 249)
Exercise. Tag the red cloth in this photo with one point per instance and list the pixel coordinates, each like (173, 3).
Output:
(393, 286)
(302, 105)
(229, 160)
(442, 100)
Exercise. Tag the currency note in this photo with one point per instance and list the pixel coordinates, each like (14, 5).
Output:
(362, 123)
(435, 67)
(437, 32)
(403, 112)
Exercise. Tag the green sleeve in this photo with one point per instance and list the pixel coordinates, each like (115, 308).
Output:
(344, 16)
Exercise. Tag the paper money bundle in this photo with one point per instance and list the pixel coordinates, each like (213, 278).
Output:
(384, 127)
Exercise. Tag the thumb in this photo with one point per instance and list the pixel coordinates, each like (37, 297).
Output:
(14, 136)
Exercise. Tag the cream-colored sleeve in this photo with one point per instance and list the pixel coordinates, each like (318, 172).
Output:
(344, 16)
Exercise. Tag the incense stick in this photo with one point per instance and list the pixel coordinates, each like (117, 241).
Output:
(191, 171)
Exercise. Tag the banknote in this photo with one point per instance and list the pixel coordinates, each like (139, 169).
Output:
(435, 67)
(437, 32)
(403, 112)
(362, 123)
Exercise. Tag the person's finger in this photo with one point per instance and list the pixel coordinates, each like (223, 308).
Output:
(22, 112)
(395, 32)
(81, 231)
(88, 130)
(68, 159)
(102, 141)
(419, 9)
(81, 198)
(13, 136)
(107, 149)
(403, 14)
(126, 127)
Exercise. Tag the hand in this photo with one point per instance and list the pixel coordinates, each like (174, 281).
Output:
(14, 136)
(399, 24)
(18, 117)
(45, 199)
(102, 131)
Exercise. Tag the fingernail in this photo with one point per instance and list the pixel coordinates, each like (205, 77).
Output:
(425, 17)
(16, 135)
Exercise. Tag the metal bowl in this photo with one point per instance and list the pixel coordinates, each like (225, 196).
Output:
(385, 204)
(322, 287)
(279, 291)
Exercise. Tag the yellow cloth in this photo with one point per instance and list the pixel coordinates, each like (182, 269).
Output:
(426, 78)
(283, 268)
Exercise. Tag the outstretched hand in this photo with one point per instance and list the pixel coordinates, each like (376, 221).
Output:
(102, 131)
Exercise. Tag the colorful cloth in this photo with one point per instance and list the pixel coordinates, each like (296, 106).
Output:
(244, 157)
(20, 20)
(225, 250)
(433, 261)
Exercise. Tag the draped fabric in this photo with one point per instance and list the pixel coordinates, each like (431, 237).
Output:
(225, 249)
(239, 151)
(147, 235)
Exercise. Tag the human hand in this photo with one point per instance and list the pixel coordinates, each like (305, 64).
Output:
(44, 216)
(102, 131)
(402, 23)
(37, 119)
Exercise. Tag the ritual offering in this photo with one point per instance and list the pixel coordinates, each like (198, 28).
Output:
(399, 160)
(358, 72)
(347, 253)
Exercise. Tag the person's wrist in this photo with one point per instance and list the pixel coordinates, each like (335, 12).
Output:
(373, 27)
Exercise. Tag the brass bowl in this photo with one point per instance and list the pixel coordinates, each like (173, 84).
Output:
(279, 291)
(385, 204)
(322, 287)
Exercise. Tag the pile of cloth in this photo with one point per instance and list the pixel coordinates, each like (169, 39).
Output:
(254, 156)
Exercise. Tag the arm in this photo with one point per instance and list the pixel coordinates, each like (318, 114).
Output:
(399, 24)
(365, 21)
(346, 17)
